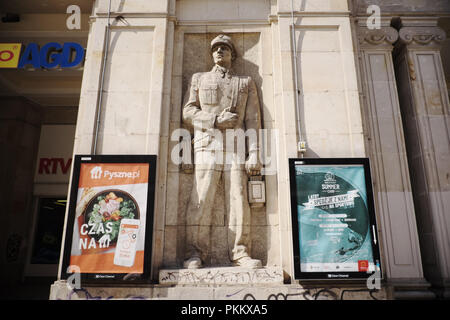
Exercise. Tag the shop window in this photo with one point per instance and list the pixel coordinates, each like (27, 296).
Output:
(48, 232)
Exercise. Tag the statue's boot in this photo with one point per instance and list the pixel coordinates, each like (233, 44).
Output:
(193, 263)
(247, 262)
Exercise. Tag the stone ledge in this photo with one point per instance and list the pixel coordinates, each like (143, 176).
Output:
(221, 276)
(60, 290)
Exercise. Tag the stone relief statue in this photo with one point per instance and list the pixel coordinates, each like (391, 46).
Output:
(220, 108)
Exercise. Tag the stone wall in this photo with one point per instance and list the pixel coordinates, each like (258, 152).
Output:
(151, 58)
(345, 109)
(327, 77)
(403, 58)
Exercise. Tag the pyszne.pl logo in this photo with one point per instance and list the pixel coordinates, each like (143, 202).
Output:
(96, 173)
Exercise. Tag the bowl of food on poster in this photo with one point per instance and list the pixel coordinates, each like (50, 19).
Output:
(105, 211)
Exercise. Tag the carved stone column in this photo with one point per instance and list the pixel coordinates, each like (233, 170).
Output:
(425, 108)
(386, 144)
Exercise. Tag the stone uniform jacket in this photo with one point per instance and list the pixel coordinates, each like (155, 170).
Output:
(209, 93)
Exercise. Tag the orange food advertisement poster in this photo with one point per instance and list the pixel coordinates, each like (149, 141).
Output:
(110, 218)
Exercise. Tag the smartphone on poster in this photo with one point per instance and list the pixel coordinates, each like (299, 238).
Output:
(127, 242)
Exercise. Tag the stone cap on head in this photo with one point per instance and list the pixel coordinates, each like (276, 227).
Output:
(223, 39)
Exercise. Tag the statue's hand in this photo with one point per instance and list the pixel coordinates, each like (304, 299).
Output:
(252, 165)
(226, 120)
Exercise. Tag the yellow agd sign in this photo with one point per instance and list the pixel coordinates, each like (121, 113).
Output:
(9, 54)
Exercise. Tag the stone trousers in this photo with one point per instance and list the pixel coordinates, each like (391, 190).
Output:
(201, 207)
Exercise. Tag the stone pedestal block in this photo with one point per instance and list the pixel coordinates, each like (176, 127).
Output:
(221, 276)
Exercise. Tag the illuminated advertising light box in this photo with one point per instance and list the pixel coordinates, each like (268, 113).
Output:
(334, 227)
(10, 54)
(49, 56)
(110, 218)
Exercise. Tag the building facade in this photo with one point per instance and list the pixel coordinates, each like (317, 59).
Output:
(348, 79)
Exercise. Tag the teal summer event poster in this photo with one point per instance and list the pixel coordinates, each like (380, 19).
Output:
(333, 217)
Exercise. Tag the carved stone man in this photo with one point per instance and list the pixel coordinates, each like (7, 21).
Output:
(217, 103)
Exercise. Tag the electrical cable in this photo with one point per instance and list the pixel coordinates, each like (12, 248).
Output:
(100, 100)
(301, 146)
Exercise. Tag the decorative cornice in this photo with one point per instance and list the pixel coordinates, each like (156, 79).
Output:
(377, 37)
(240, 23)
(299, 14)
(421, 36)
(272, 18)
(132, 15)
